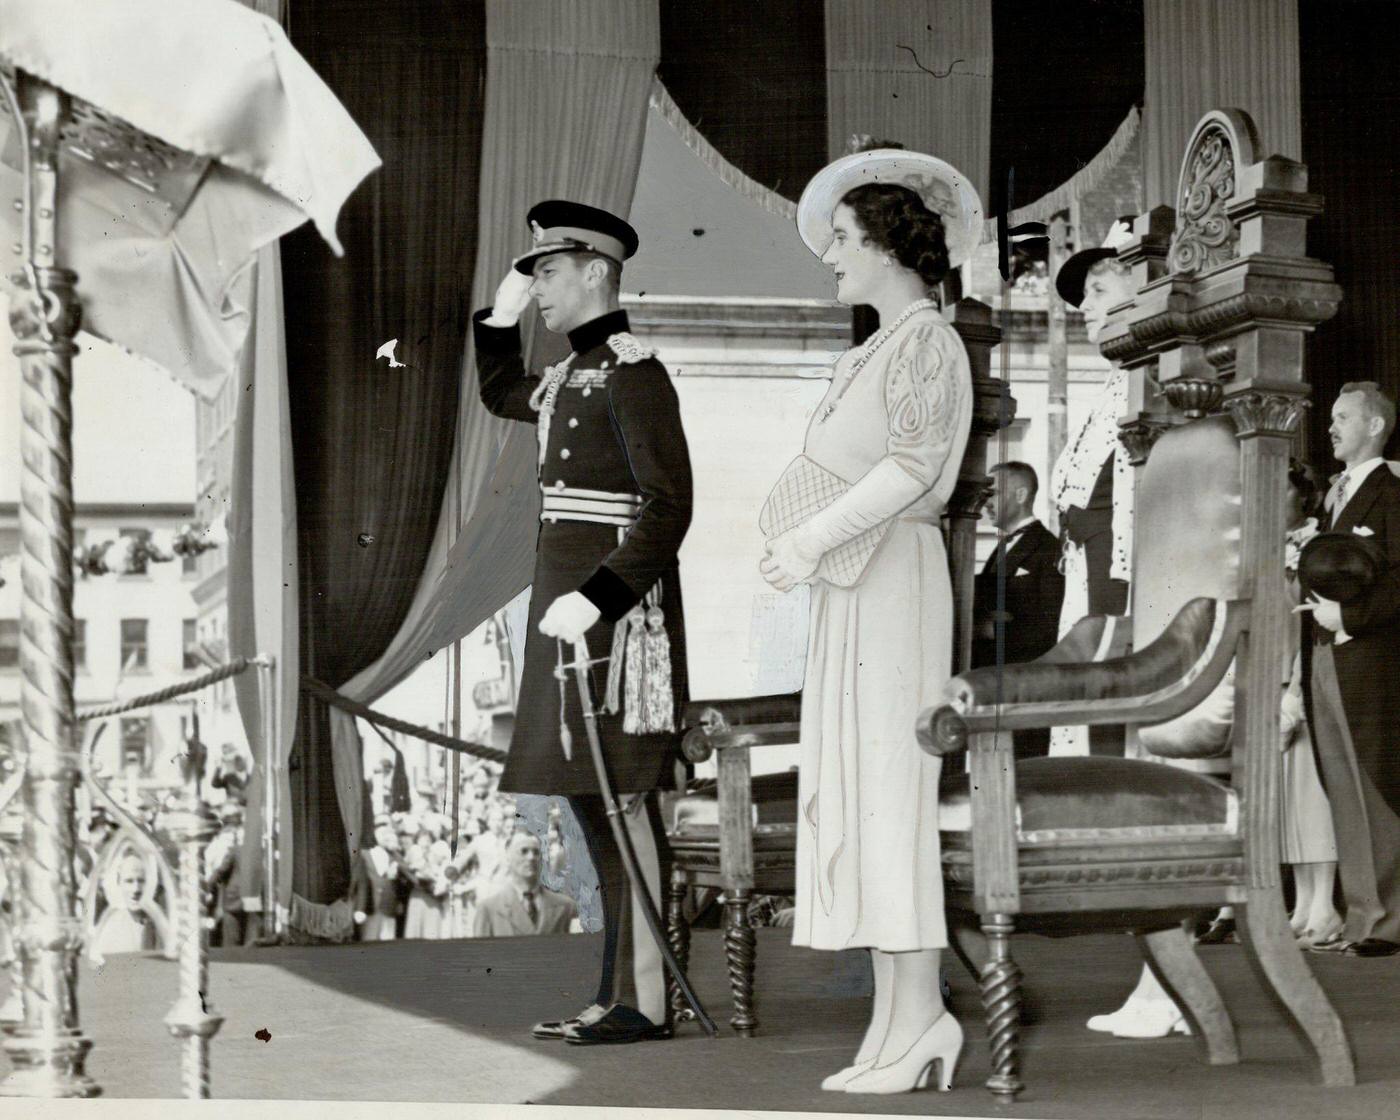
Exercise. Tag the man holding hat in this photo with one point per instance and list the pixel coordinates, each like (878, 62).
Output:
(615, 485)
(1355, 709)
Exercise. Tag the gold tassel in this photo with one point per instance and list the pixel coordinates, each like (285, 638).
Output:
(636, 671)
(658, 703)
(612, 699)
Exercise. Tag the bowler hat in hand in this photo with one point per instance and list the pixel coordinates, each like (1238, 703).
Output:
(1341, 566)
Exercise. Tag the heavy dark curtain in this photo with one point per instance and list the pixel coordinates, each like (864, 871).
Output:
(1064, 76)
(751, 76)
(1350, 103)
(372, 443)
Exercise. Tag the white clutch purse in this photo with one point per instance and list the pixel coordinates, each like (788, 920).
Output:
(804, 489)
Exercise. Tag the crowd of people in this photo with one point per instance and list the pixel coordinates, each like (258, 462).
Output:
(412, 882)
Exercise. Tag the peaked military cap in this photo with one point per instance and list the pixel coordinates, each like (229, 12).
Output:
(571, 227)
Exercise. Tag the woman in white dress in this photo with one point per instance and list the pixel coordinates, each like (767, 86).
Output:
(894, 424)
(1309, 838)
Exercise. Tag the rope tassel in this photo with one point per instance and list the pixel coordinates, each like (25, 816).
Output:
(658, 704)
(650, 704)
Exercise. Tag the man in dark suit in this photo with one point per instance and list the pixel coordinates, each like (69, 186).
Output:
(1016, 601)
(615, 488)
(1355, 655)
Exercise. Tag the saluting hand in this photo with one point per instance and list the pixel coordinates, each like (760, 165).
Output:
(512, 297)
(569, 617)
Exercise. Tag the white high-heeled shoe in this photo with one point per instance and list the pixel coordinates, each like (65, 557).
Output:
(1142, 1019)
(936, 1049)
(836, 1083)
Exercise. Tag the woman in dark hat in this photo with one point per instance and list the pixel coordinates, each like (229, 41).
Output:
(1091, 483)
(890, 434)
(1092, 488)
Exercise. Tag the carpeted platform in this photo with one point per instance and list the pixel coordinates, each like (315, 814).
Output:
(443, 1021)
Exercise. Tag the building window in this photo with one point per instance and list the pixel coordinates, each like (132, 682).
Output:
(80, 643)
(138, 556)
(9, 643)
(136, 739)
(9, 542)
(189, 563)
(190, 641)
(133, 644)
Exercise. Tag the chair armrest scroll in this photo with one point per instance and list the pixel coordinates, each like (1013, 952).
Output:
(1169, 677)
(740, 724)
(941, 731)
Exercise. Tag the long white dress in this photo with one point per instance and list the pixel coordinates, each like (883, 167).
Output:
(868, 872)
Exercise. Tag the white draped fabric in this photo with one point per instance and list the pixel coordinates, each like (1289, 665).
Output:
(1208, 54)
(213, 79)
(262, 567)
(916, 73)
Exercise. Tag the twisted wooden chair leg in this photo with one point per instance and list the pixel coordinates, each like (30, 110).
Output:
(740, 947)
(678, 931)
(1001, 1001)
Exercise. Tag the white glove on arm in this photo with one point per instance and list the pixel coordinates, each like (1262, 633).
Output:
(885, 490)
(512, 297)
(569, 617)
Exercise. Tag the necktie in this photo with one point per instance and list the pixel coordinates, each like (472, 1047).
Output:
(532, 909)
(1339, 495)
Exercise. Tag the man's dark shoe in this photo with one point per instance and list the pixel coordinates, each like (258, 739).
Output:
(554, 1029)
(620, 1024)
(1372, 947)
(1220, 932)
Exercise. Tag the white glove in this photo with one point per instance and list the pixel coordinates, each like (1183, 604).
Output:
(569, 617)
(512, 297)
(1290, 716)
(1327, 613)
(790, 558)
(359, 917)
(883, 491)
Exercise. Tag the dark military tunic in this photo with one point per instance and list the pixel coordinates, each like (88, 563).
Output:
(616, 487)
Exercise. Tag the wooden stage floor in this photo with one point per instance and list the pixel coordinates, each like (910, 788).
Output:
(444, 1021)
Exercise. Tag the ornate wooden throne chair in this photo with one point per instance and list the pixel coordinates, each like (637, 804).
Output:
(1078, 845)
(737, 834)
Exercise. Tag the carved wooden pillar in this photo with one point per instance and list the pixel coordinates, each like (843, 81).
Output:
(993, 409)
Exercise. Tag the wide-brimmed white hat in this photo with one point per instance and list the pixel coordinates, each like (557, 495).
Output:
(944, 189)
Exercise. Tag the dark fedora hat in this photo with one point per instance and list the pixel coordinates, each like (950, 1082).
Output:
(1069, 281)
(1341, 566)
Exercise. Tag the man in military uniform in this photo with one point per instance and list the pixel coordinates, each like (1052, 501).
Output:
(615, 483)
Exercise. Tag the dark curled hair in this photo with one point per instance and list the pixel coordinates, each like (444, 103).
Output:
(896, 220)
(1304, 480)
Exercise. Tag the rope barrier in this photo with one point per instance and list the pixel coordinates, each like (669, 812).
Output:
(214, 676)
(310, 685)
(327, 695)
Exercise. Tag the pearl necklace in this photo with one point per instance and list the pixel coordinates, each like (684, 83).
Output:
(869, 352)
